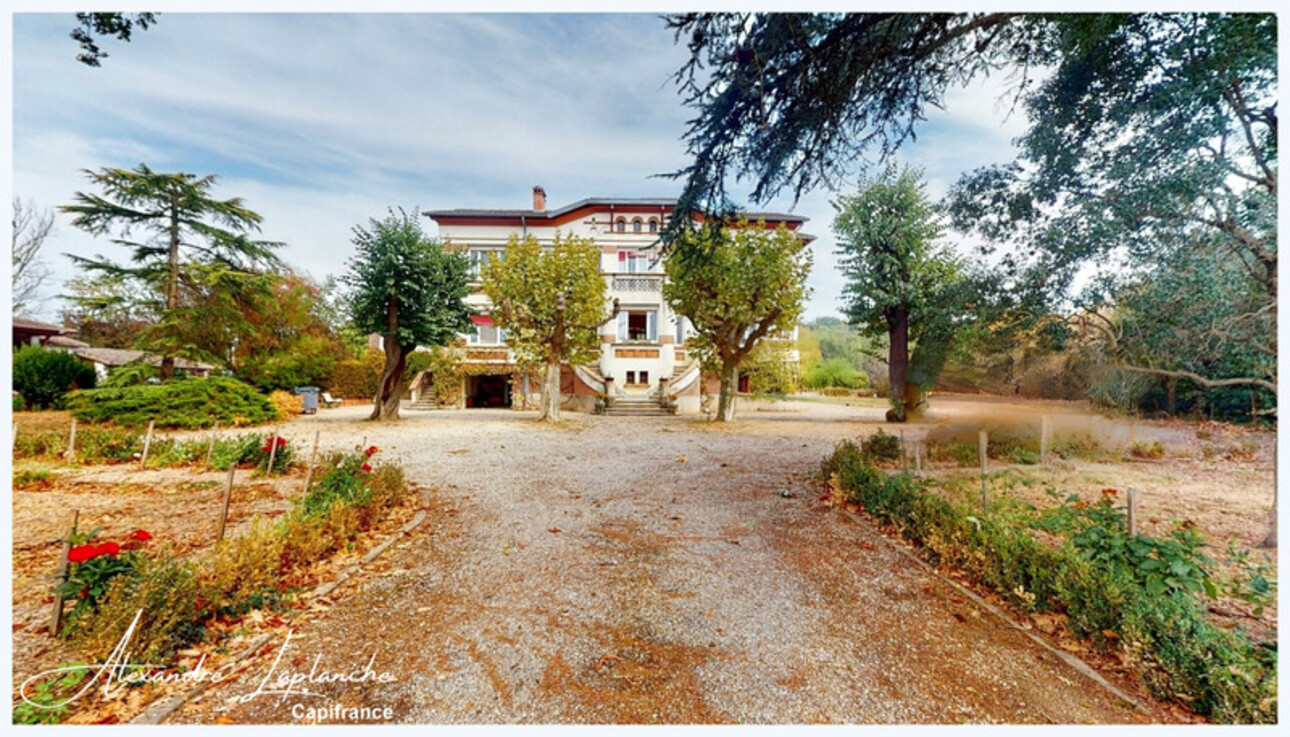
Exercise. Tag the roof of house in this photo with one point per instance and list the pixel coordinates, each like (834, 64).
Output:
(35, 326)
(122, 356)
(62, 341)
(589, 202)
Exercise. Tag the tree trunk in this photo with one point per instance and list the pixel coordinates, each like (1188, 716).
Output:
(386, 403)
(729, 385)
(1171, 396)
(551, 392)
(898, 364)
(172, 282)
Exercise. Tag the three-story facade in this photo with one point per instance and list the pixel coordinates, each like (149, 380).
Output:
(644, 352)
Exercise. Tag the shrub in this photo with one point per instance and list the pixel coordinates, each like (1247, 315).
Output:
(1147, 449)
(109, 445)
(881, 446)
(32, 476)
(1024, 456)
(92, 568)
(357, 378)
(1078, 446)
(18, 403)
(964, 454)
(236, 451)
(134, 373)
(40, 444)
(286, 403)
(163, 595)
(281, 457)
(43, 377)
(188, 404)
(833, 391)
(418, 361)
(1139, 592)
(245, 571)
(833, 372)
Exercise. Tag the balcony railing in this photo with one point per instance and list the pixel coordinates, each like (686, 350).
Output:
(637, 283)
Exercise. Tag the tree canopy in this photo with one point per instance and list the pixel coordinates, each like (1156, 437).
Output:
(737, 284)
(900, 282)
(1148, 131)
(405, 287)
(186, 236)
(551, 302)
(107, 25)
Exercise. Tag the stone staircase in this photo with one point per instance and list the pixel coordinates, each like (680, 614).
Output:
(636, 407)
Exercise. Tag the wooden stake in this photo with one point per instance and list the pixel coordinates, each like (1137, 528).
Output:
(56, 621)
(71, 444)
(273, 451)
(982, 442)
(1133, 511)
(313, 454)
(309, 475)
(918, 458)
(210, 449)
(147, 443)
(904, 457)
(228, 494)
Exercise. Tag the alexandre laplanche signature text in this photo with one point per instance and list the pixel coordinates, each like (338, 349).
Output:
(116, 671)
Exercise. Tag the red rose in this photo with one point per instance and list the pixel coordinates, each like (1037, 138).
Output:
(141, 536)
(371, 451)
(1109, 492)
(282, 442)
(107, 549)
(367, 467)
(82, 553)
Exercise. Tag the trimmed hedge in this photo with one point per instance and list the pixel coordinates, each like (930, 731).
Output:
(186, 404)
(1179, 653)
(43, 377)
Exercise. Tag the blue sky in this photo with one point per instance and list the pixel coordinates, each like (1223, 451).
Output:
(321, 121)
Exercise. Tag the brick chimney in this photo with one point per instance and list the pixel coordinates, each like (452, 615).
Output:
(539, 199)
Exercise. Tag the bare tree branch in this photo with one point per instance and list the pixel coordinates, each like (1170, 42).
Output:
(31, 227)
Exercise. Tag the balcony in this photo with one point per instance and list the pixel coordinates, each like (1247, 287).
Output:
(641, 283)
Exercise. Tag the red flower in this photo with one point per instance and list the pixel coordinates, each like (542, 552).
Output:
(82, 553)
(141, 536)
(107, 549)
(371, 451)
(1109, 492)
(367, 467)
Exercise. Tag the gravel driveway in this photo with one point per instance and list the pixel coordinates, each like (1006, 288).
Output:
(653, 570)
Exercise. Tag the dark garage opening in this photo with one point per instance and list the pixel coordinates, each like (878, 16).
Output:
(490, 390)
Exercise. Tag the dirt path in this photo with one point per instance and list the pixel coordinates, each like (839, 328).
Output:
(651, 571)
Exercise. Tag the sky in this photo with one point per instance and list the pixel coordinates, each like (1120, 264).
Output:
(322, 121)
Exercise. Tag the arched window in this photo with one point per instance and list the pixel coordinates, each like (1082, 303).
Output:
(621, 225)
(653, 225)
(636, 225)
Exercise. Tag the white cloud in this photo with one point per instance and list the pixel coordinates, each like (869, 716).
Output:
(321, 121)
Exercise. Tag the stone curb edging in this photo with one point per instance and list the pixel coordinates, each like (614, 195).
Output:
(1075, 663)
(157, 712)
